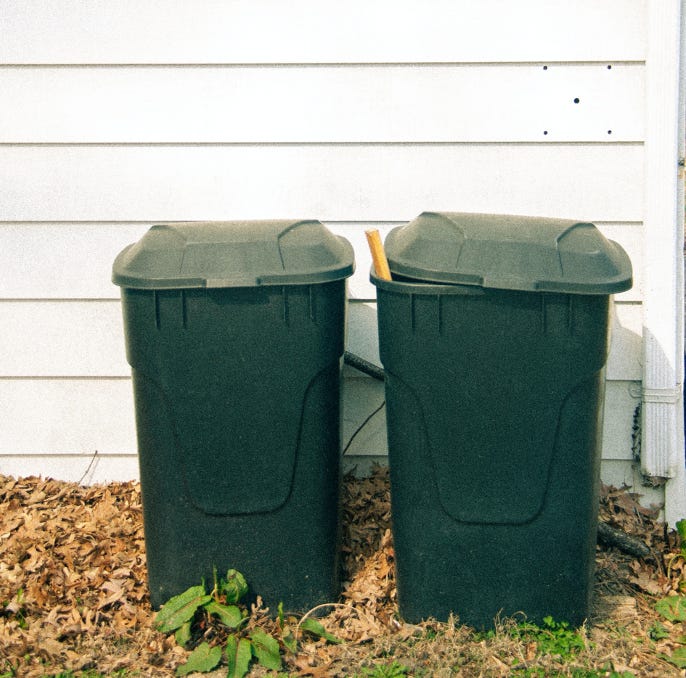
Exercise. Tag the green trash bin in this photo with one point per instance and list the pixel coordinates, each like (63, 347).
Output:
(234, 332)
(494, 335)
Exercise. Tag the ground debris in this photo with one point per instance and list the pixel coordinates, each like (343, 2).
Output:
(73, 594)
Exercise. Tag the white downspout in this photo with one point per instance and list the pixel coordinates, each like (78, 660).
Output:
(662, 426)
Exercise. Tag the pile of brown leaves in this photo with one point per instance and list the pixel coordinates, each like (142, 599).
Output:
(72, 578)
(73, 593)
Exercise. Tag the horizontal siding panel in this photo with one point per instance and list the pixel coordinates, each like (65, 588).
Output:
(626, 343)
(62, 339)
(86, 339)
(338, 183)
(62, 261)
(67, 416)
(84, 469)
(326, 104)
(310, 31)
(74, 260)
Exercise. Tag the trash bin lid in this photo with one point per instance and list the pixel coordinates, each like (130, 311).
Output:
(234, 254)
(508, 252)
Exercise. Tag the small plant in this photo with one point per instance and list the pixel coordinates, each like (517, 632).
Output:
(681, 530)
(15, 608)
(190, 614)
(679, 558)
(658, 632)
(553, 638)
(393, 670)
(672, 608)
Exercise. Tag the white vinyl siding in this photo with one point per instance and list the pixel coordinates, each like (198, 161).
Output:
(202, 32)
(324, 104)
(119, 115)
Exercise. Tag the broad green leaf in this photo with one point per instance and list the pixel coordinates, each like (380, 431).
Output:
(672, 608)
(204, 658)
(183, 634)
(235, 586)
(266, 649)
(239, 654)
(229, 615)
(179, 609)
(313, 626)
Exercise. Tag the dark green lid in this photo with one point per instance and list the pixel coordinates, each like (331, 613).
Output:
(508, 252)
(234, 254)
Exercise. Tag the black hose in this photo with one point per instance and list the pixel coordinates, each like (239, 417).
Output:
(363, 365)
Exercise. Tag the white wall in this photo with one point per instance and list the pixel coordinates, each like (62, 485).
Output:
(119, 115)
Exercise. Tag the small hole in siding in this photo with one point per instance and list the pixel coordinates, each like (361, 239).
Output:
(609, 67)
(576, 100)
(609, 131)
(545, 131)
(545, 68)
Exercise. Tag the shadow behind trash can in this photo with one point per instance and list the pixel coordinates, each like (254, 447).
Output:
(494, 337)
(234, 333)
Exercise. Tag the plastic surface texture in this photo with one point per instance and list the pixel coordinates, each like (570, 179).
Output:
(494, 418)
(233, 254)
(237, 413)
(508, 252)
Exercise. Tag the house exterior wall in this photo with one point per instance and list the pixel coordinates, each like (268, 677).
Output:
(116, 116)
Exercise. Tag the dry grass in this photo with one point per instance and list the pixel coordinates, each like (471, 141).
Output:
(73, 598)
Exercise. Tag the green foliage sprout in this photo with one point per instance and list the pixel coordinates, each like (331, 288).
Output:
(552, 637)
(195, 609)
(673, 607)
(393, 670)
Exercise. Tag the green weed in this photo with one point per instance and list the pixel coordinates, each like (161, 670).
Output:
(552, 638)
(192, 611)
(393, 670)
(658, 632)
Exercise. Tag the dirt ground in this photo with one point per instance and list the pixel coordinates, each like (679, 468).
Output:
(73, 598)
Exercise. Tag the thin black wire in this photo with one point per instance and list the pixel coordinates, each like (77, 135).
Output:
(362, 425)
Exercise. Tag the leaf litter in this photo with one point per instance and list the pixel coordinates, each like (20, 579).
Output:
(74, 600)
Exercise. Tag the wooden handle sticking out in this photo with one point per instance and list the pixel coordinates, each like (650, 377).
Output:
(378, 255)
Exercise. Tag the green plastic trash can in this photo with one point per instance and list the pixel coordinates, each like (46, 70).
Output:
(494, 335)
(234, 333)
